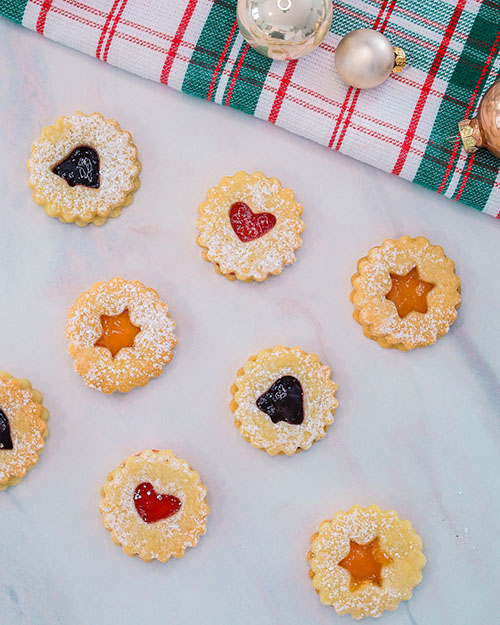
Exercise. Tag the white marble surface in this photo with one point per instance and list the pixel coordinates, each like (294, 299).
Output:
(418, 432)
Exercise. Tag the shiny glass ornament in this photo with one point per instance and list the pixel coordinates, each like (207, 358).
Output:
(365, 58)
(483, 131)
(284, 29)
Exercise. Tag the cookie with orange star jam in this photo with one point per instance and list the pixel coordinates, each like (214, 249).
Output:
(365, 561)
(23, 428)
(84, 169)
(249, 227)
(406, 293)
(283, 400)
(120, 335)
(154, 505)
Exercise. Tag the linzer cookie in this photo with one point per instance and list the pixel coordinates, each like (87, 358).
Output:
(249, 227)
(283, 400)
(120, 335)
(154, 505)
(365, 561)
(84, 169)
(23, 428)
(406, 293)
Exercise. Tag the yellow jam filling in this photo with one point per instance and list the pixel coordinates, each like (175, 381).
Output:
(409, 293)
(364, 563)
(117, 332)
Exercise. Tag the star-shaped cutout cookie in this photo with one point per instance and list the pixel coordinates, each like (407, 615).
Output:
(364, 563)
(409, 293)
(117, 332)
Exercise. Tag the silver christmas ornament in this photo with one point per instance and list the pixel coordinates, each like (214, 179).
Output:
(365, 58)
(284, 29)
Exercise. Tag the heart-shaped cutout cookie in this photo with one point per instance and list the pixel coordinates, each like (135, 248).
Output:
(152, 506)
(248, 225)
(283, 401)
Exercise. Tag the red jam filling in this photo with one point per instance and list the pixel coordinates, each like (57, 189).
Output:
(152, 506)
(247, 225)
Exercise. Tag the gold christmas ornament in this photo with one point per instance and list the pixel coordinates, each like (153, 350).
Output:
(284, 29)
(365, 58)
(483, 131)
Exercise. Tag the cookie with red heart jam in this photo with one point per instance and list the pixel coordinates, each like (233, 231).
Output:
(154, 505)
(283, 400)
(84, 169)
(23, 428)
(249, 227)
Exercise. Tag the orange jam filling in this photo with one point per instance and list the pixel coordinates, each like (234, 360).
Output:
(409, 293)
(117, 332)
(364, 563)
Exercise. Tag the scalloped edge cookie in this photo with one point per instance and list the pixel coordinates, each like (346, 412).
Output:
(331, 544)
(263, 256)
(257, 376)
(31, 400)
(118, 160)
(379, 317)
(132, 366)
(162, 539)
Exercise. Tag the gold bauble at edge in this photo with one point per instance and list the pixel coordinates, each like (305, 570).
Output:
(483, 131)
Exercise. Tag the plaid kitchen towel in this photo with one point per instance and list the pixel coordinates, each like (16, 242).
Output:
(407, 126)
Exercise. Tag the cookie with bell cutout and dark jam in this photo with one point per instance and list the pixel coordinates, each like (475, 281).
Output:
(23, 428)
(154, 505)
(84, 169)
(406, 293)
(283, 400)
(365, 561)
(249, 227)
(120, 335)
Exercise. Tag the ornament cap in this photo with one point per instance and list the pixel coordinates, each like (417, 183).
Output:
(470, 133)
(399, 59)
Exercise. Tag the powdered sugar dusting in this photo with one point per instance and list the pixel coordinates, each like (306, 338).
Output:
(118, 168)
(132, 366)
(263, 256)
